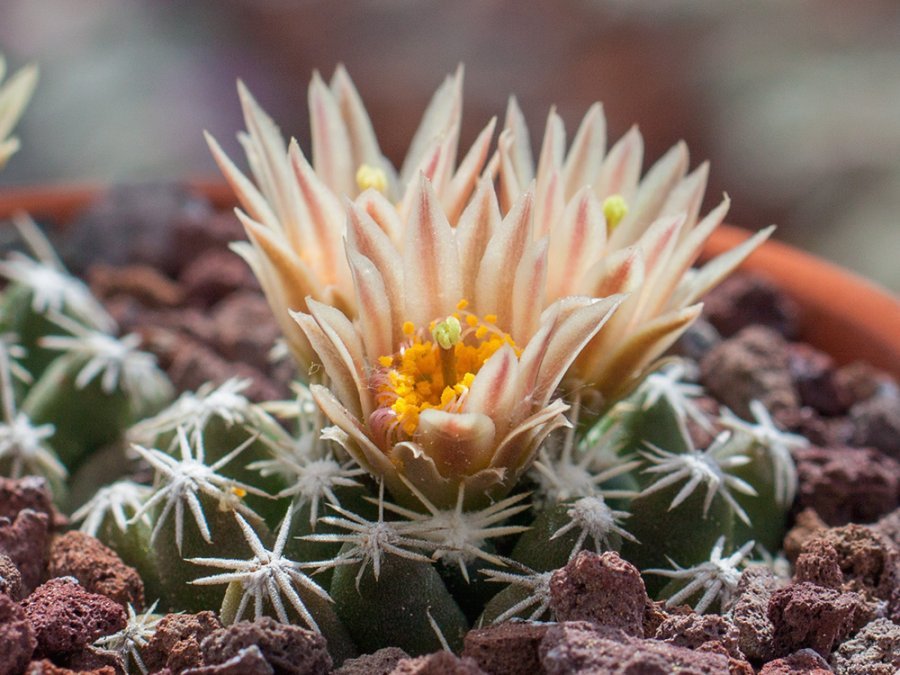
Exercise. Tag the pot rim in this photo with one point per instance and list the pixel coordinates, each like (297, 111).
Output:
(843, 314)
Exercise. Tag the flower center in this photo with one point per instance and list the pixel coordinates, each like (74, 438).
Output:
(615, 208)
(433, 369)
(374, 177)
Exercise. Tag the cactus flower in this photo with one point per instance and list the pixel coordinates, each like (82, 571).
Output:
(428, 391)
(14, 96)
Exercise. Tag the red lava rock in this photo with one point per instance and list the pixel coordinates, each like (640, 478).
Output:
(697, 340)
(803, 662)
(751, 365)
(288, 649)
(16, 636)
(248, 661)
(825, 432)
(806, 615)
(65, 617)
(847, 484)
(47, 667)
(743, 300)
(807, 525)
(24, 541)
(582, 647)
(750, 612)
(889, 527)
(214, 275)
(695, 630)
(381, 662)
(874, 650)
(877, 424)
(10, 578)
(145, 284)
(194, 236)
(603, 589)
(93, 659)
(867, 561)
(176, 642)
(814, 379)
(30, 492)
(245, 328)
(818, 564)
(507, 649)
(860, 381)
(439, 663)
(98, 568)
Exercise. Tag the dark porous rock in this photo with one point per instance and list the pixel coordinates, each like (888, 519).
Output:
(94, 658)
(697, 340)
(696, 630)
(874, 650)
(176, 642)
(876, 424)
(818, 564)
(814, 379)
(288, 649)
(98, 568)
(381, 662)
(47, 667)
(17, 640)
(802, 662)
(603, 589)
(889, 527)
(194, 236)
(743, 300)
(508, 648)
(846, 485)
(66, 617)
(867, 560)
(806, 615)
(10, 578)
(136, 224)
(142, 283)
(214, 275)
(750, 612)
(439, 663)
(245, 328)
(248, 661)
(30, 492)
(807, 525)
(583, 647)
(24, 541)
(753, 365)
(860, 381)
(818, 430)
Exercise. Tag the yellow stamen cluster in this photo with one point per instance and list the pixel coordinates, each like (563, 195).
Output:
(615, 208)
(374, 177)
(435, 369)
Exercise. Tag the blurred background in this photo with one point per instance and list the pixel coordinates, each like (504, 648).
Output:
(796, 103)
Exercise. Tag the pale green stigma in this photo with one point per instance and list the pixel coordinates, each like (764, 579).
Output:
(447, 332)
(615, 208)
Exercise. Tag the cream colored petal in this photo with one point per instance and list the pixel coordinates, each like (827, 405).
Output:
(549, 202)
(646, 205)
(495, 391)
(585, 157)
(509, 184)
(280, 303)
(687, 197)
(517, 450)
(503, 252)
(431, 282)
(696, 286)
(582, 320)
(331, 151)
(374, 307)
(382, 212)
(621, 271)
(364, 451)
(363, 142)
(520, 149)
(365, 237)
(435, 166)
(658, 245)
(476, 226)
(463, 181)
(553, 149)
(460, 444)
(441, 119)
(622, 168)
(619, 368)
(340, 375)
(348, 345)
(576, 241)
(249, 197)
(529, 291)
(14, 96)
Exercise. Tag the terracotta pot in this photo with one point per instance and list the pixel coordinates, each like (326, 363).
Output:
(844, 315)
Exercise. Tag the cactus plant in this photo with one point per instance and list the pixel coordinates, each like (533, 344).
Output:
(481, 394)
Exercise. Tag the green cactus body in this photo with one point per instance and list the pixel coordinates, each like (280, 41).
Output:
(768, 517)
(17, 316)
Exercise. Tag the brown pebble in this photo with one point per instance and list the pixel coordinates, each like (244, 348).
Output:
(98, 568)
(10, 578)
(807, 525)
(743, 300)
(214, 275)
(16, 636)
(47, 667)
(245, 328)
(145, 284)
(439, 663)
(695, 630)
(603, 589)
(66, 617)
(30, 492)
(24, 541)
(248, 661)
(802, 662)
(876, 423)
(874, 650)
(381, 662)
(750, 612)
(176, 642)
(508, 648)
